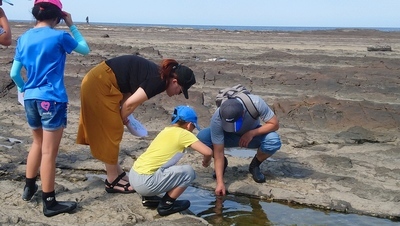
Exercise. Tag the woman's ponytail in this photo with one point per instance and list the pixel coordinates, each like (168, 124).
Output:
(167, 68)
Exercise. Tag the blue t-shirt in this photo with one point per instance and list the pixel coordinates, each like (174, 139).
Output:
(249, 123)
(42, 51)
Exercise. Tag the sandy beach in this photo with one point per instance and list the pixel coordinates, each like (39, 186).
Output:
(338, 105)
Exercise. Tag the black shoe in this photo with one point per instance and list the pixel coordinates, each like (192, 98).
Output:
(177, 206)
(28, 193)
(225, 165)
(60, 207)
(257, 175)
(151, 201)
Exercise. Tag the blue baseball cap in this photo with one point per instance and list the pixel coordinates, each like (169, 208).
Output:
(186, 114)
(231, 113)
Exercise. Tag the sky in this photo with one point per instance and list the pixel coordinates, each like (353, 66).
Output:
(292, 13)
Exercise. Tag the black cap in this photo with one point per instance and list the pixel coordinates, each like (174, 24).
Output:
(185, 78)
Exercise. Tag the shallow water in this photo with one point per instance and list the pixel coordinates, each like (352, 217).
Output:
(240, 210)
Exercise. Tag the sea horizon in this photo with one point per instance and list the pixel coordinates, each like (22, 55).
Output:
(232, 27)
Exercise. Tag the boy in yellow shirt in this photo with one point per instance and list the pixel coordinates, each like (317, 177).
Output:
(156, 172)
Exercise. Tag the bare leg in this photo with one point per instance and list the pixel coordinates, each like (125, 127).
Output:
(35, 154)
(50, 145)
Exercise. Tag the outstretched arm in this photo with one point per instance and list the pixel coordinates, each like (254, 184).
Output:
(5, 35)
(219, 169)
(203, 149)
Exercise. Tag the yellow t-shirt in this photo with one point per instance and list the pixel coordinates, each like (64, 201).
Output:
(170, 141)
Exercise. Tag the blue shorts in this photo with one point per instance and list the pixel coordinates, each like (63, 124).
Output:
(267, 143)
(46, 115)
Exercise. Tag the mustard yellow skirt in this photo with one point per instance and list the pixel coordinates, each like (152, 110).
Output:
(100, 123)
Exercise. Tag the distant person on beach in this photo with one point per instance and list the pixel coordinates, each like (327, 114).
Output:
(87, 20)
(232, 126)
(110, 92)
(42, 51)
(155, 171)
(5, 30)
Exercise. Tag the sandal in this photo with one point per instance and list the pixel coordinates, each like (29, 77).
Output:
(110, 186)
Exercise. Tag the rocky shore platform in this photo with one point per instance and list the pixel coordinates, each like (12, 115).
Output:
(338, 105)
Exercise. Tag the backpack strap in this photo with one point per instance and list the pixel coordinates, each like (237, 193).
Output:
(248, 103)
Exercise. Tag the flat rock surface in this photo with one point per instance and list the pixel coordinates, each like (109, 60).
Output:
(338, 106)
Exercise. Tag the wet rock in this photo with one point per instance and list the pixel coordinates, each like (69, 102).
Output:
(341, 206)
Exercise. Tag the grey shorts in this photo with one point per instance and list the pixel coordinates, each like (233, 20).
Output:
(163, 180)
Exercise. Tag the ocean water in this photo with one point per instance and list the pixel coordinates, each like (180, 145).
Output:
(250, 28)
(235, 28)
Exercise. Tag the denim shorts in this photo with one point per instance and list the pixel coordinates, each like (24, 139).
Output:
(267, 143)
(47, 115)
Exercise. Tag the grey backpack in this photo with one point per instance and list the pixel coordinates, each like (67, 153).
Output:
(238, 91)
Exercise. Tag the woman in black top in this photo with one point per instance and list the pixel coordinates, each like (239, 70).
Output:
(110, 92)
